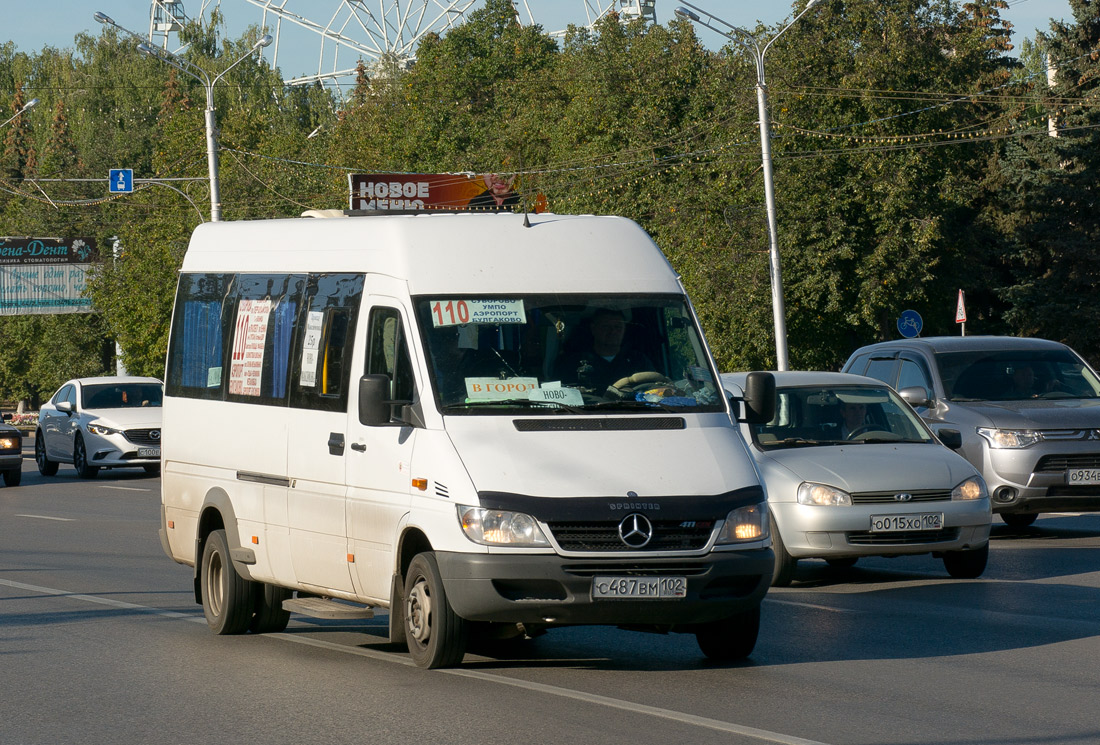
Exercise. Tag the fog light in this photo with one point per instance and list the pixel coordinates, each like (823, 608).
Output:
(1004, 494)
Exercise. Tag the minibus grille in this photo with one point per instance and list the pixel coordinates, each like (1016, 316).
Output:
(146, 437)
(668, 535)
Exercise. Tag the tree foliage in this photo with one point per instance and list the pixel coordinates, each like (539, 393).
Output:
(909, 154)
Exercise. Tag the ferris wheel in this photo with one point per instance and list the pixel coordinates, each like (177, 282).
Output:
(376, 31)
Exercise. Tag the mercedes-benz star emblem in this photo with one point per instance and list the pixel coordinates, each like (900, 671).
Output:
(635, 530)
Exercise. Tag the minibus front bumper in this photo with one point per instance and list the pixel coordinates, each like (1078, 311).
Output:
(551, 589)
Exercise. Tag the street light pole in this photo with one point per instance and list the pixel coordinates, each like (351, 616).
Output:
(196, 72)
(26, 107)
(749, 43)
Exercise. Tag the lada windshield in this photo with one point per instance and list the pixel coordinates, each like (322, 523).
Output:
(811, 416)
(1015, 375)
(573, 353)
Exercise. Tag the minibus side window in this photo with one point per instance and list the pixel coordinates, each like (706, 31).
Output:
(261, 329)
(197, 352)
(388, 353)
(326, 330)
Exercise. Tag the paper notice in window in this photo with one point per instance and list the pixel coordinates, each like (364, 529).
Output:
(311, 348)
(249, 337)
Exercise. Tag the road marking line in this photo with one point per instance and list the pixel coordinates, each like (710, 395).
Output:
(124, 488)
(47, 517)
(591, 698)
(810, 605)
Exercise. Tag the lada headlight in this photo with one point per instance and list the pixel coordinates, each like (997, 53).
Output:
(744, 524)
(1009, 439)
(822, 495)
(500, 527)
(102, 430)
(972, 488)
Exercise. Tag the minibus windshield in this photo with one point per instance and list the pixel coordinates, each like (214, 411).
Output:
(573, 353)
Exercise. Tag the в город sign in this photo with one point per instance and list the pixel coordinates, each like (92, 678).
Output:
(45, 275)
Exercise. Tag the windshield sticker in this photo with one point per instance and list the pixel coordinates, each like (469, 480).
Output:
(495, 389)
(310, 348)
(248, 347)
(555, 394)
(455, 312)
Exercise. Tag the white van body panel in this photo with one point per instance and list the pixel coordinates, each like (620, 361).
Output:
(598, 464)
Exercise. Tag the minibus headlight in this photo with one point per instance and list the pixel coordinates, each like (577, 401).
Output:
(744, 524)
(972, 488)
(500, 527)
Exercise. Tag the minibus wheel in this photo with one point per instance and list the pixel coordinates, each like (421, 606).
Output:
(270, 617)
(731, 638)
(227, 597)
(435, 634)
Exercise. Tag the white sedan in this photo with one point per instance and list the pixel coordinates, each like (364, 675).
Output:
(94, 423)
(852, 471)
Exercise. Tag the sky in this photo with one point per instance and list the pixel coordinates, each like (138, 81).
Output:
(33, 25)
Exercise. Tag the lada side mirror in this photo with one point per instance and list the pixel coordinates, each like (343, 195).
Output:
(916, 396)
(952, 438)
(759, 398)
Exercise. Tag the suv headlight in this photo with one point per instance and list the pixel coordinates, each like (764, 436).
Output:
(1009, 439)
(500, 527)
(972, 488)
(744, 524)
(102, 430)
(822, 495)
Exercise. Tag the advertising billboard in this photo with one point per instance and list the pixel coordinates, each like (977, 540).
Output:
(45, 275)
(433, 191)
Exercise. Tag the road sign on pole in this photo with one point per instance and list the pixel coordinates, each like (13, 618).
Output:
(910, 323)
(960, 311)
(121, 180)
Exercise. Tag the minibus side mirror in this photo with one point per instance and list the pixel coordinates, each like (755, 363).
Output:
(374, 405)
(952, 438)
(759, 398)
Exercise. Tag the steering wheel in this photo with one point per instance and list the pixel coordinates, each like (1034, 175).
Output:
(862, 430)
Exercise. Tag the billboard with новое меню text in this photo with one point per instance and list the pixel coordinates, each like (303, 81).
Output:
(45, 275)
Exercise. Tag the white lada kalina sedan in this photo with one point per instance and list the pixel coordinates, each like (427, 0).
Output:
(852, 471)
(95, 423)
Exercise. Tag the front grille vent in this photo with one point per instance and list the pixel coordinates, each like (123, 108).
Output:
(902, 538)
(668, 535)
(598, 424)
(1059, 463)
(888, 497)
(144, 437)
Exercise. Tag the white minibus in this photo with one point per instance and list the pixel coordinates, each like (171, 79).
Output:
(488, 424)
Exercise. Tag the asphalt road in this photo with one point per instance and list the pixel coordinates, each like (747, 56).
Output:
(101, 642)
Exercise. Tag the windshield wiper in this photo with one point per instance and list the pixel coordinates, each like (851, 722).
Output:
(632, 404)
(513, 402)
(792, 442)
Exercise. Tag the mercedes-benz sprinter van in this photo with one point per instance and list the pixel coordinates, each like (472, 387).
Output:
(485, 423)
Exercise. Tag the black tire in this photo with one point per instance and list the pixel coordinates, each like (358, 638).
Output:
(966, 564)
(270, 618)
(46, 467)
(731, 638)
(1019, 519)
(13, 477)
(785, 564)
(845, 562)
(228, 599)
(435, 634)
(152, 469)
(80, 460)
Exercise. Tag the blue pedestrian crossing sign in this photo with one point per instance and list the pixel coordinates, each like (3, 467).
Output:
(122, 180)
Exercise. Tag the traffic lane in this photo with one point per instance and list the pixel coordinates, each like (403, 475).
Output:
(126, 675)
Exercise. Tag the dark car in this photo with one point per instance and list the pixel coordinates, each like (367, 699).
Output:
(1027, 410)
(11, 453)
